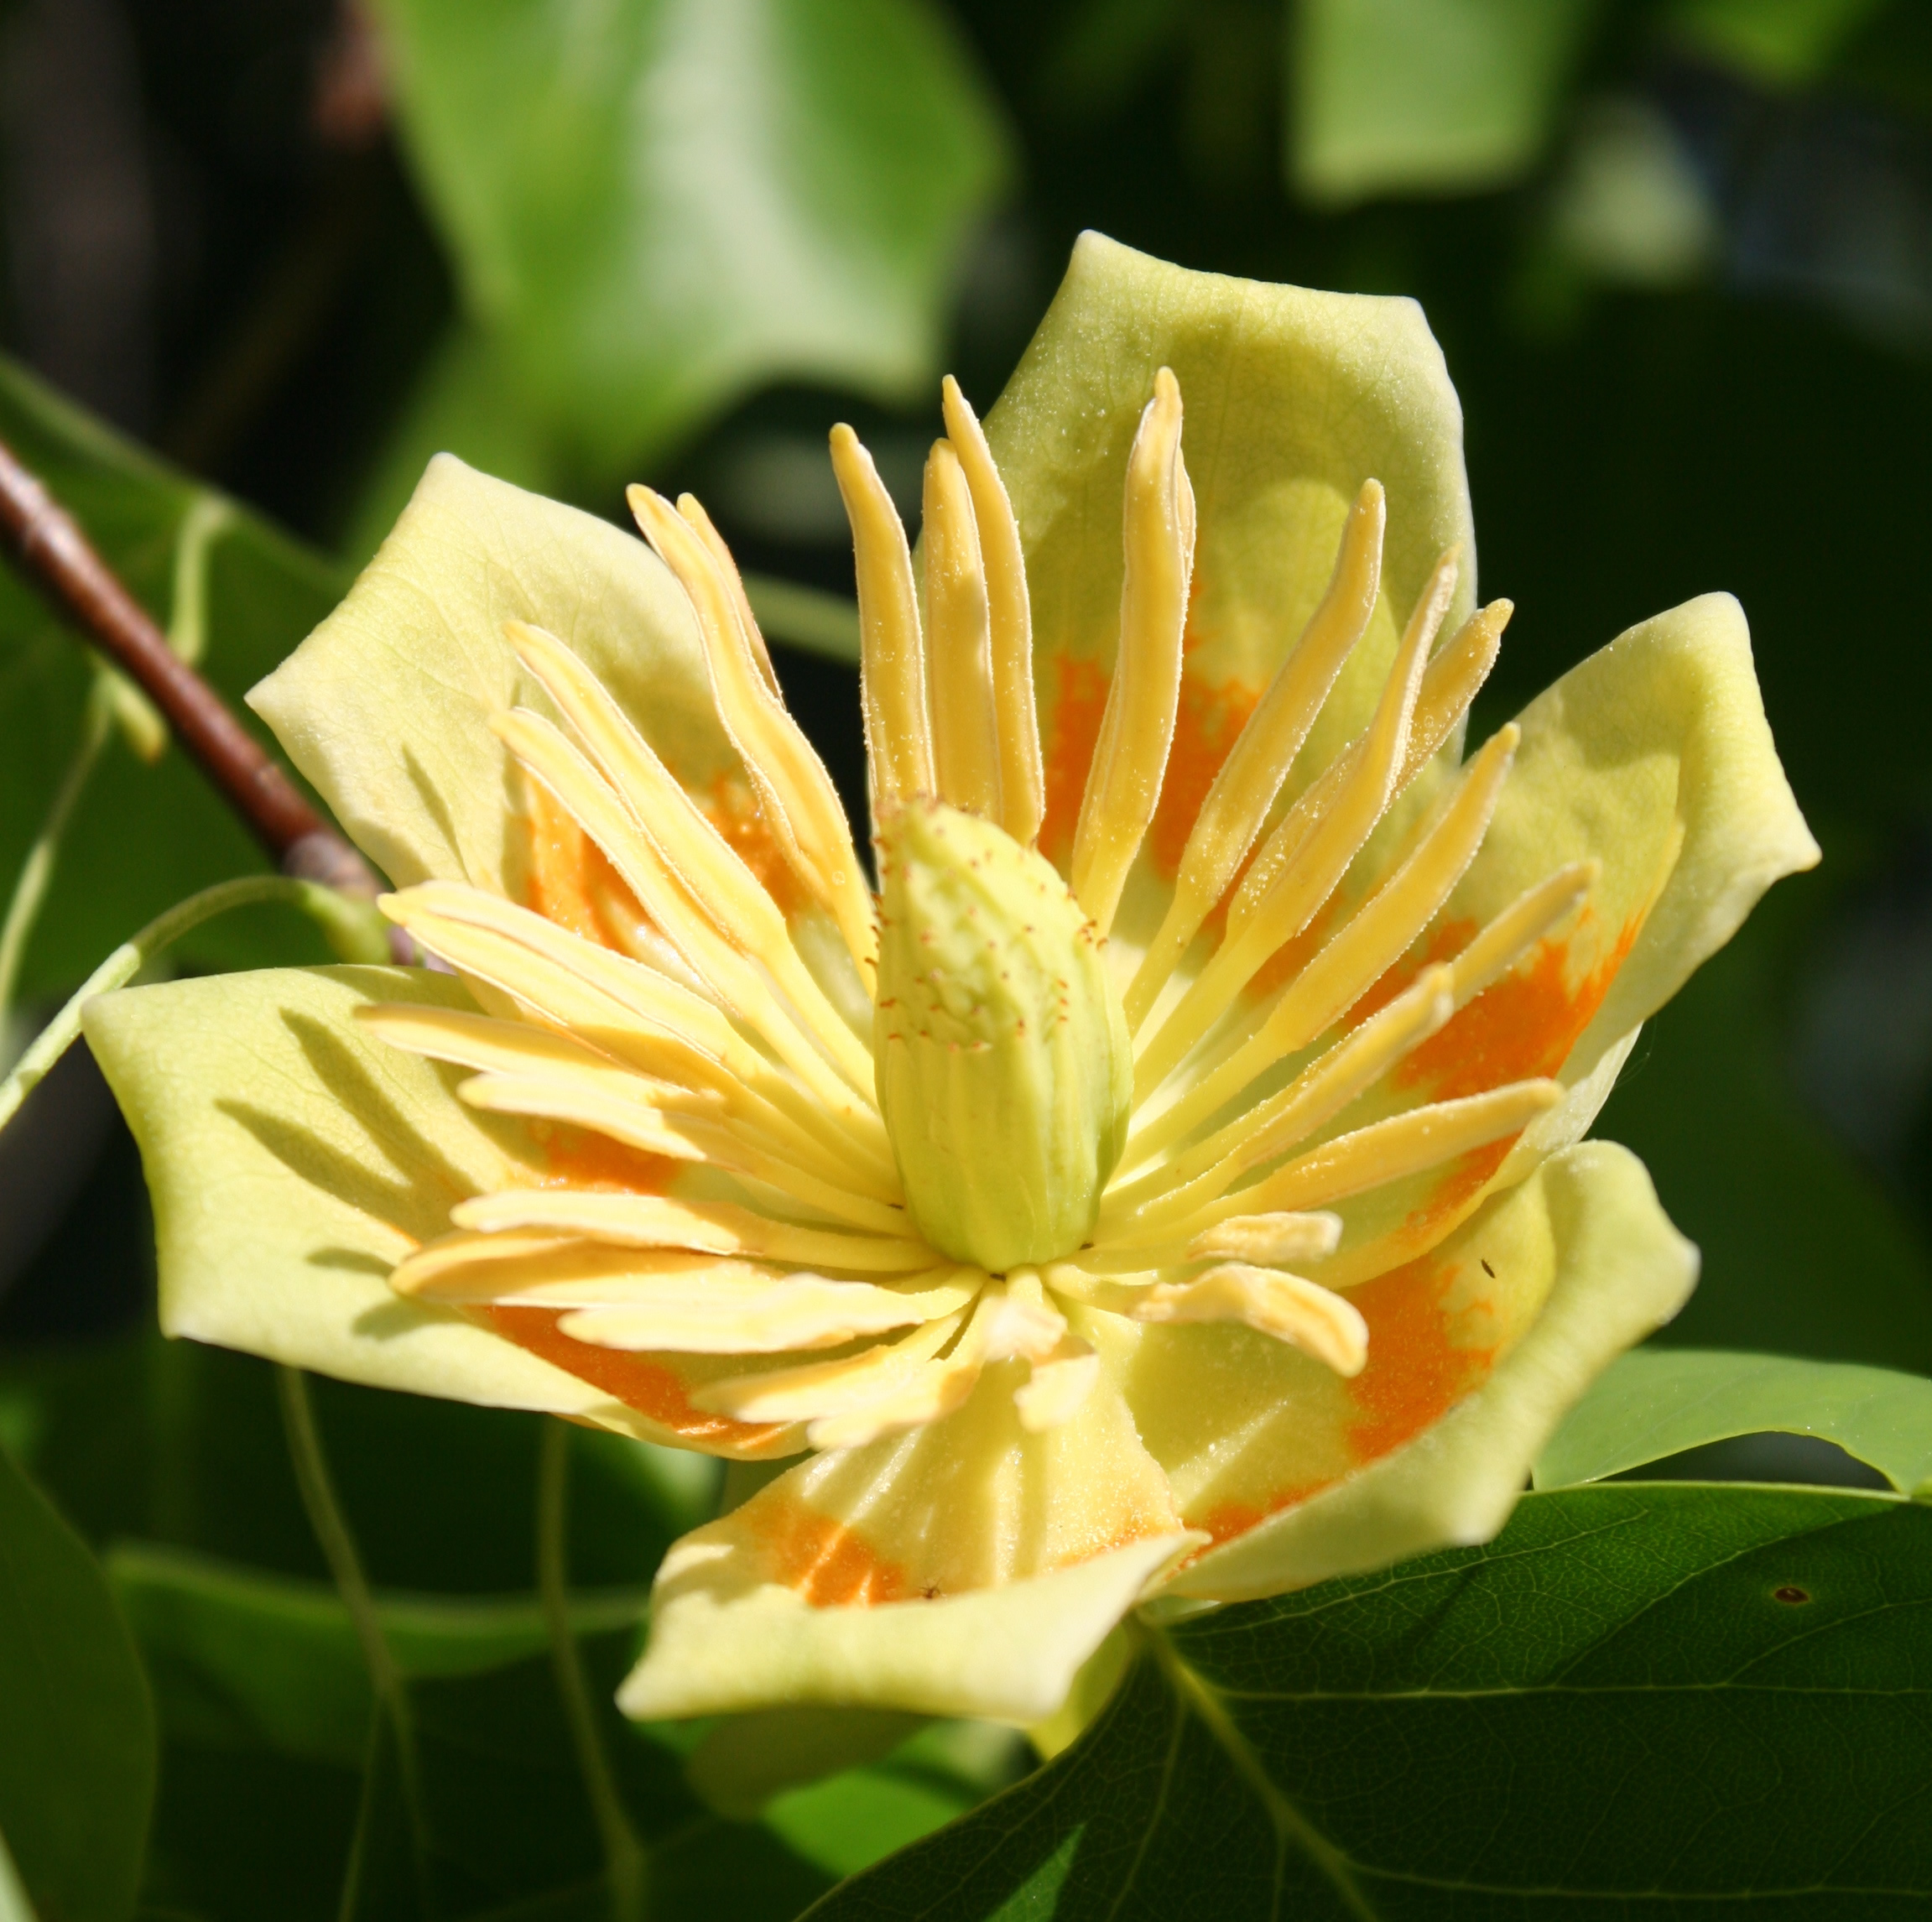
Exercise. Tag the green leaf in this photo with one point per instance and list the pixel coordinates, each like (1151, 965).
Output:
(1655, 1700)
(1784, 42)
(238, 1655)
(656, 207)
(1395, 96)
(1661, 1401)
(14, 1906)
(235, 595)
(76, 1726)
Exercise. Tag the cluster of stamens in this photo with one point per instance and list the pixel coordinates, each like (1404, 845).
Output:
(789, 1250)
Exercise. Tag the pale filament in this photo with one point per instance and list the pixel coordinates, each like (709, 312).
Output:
(892, 660)
(1318, 865)
(959, 636)
(1137, 725)
(1251, 777)
(796, 795)
(1021, 782)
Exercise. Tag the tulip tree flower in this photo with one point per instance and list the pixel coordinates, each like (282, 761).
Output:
(1171, 1183)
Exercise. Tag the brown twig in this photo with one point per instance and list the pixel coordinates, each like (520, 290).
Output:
(50, 548)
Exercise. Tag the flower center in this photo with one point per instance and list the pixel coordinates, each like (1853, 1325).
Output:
(1004, 1070)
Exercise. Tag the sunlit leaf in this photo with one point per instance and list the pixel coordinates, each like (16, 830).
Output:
(77, 1727)
(1404, 97)
(656, 207)
(1661, 1699)
(1660, 1401)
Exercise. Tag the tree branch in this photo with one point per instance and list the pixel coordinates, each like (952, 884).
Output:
(49, 547)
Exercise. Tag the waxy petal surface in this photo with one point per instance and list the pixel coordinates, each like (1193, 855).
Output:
(965, 1568)
(1293, 399)
(1488, 1343)
(386, 707)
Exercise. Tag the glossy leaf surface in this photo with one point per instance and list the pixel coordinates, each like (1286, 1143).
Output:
(1659, 1401)
(1503, 1731)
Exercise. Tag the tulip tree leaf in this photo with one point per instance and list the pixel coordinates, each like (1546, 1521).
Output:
(235, 595)
(1784, 42)
(76, 1726)
(656, 207)
(1661, 1401)
(1394, 97)
(1640, 1699)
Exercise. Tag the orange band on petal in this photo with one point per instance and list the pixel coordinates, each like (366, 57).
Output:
(828, 1564)
(655, 1391)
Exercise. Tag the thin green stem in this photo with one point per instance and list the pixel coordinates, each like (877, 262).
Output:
(322, 903)
(339, 1550)
(625, 1862)
(37, 871)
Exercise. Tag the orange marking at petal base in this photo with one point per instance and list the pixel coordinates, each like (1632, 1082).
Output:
(580, 1157)
(1206, 725)
(1076, 716)
(1523, 1025)
(828, 1564)
(732, 808)
(639, 1381)
(1442, 943)
(1232, 1518)
(570, 882)
(1416, 1372)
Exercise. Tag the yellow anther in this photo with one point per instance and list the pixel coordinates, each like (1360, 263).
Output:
(1137, 726)
(708, 1227)
(959, 664)
(1251, 777)
(1022, 783)
(800, 803)
(1268, 1241)
(692, 508)
(1452, 679)
(1294, 1310)
(1287, 1117)
(1318, 865)
(892, 666)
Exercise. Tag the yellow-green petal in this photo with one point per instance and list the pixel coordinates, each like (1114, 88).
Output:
(1587, 1234)
(293, 1158)
(969, 1568)
(1652, 758)
(1293, 399)
(386, 707)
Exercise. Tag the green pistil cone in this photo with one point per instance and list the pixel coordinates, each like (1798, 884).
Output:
(1004, 1070)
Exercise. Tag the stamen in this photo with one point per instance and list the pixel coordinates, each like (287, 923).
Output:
(795, 793)
(1251, 777)
(892, 667)
(738, 983)
(1023, 784)
(959, 665)
(1268, 1241)
(1370, 1157)
(708, 870)
(463, 1266)
(1500, 946)
(706, 1228)
(1318, 865)
(1292, 1309)
(1452, 679)
(1051, 1395)
(1137, 726)
(860, 1397)
(693, 511)
(1321, 1091)
(711, 1315)
(1533, 913)
(694, 1084)
(622, 1117)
